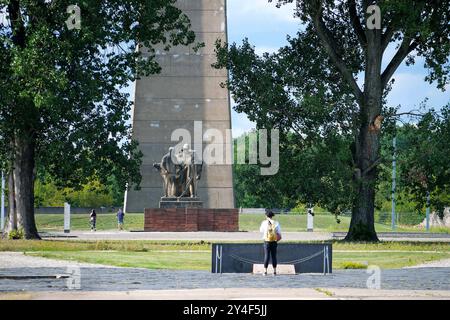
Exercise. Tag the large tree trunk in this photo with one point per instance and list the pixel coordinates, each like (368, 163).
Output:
(12, 215)
(367, 151)
(362, 225)
(24, 174)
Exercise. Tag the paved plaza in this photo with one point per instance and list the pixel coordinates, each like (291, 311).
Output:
(34, 277)
(129, 279)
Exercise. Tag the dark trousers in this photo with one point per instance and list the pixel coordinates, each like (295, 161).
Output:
(270, 251)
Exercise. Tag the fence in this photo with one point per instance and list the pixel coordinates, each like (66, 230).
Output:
(326, 221)
(73, 210)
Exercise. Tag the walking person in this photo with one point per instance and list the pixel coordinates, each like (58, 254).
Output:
(93, 220)
(271, 231)
(120, 216)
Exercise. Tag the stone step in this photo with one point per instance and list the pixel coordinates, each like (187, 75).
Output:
(281, 269)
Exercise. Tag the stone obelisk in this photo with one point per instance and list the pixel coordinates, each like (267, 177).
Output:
(187, 90)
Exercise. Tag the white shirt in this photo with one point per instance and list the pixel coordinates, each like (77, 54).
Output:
(265, 226)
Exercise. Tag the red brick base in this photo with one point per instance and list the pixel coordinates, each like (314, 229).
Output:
(191, 220)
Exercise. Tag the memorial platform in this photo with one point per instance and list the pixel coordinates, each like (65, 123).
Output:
(191, 220)
(247, 257)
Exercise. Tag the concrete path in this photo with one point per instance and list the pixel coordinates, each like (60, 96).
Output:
(237, 294)
(191, 236)
(403, 236)
(10, 260)
(433, 264)
(230, 236)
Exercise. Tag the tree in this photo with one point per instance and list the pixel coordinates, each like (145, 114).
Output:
(341, 41)
(90, 195)
(424, 156)
(309, 174)
(62, 106)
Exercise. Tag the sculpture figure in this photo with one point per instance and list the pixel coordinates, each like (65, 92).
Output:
(180, 173)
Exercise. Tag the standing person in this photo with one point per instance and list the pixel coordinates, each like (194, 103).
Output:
(93, 217)
(120, 216)
(271, 231)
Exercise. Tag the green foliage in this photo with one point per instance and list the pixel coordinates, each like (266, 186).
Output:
(300, 208)
(16, 234)
(93, 194)
(422, 24)
(352, 265)
(309, 91)
(424, 155)
(317, 174)
(63, 91)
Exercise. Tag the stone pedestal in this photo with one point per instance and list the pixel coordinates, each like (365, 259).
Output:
(191, 220)
(180, 203)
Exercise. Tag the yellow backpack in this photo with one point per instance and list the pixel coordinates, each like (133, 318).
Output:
(271, 234)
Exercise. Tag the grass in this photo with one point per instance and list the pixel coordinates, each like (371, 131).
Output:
(151, 260)
(445, 230)
(324, 291)
(385, 260)
(102, 245)
(247, 222)
(322, 223)
(251, 222)
(201, 260)
(107, 221)
(196, 255)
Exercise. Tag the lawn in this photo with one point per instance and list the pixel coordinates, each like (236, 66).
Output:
(191, 255)
(107, 221)
(172, 260)
(247, 222)
(325, 223)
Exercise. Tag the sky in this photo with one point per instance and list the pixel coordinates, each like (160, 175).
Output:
(266, 27)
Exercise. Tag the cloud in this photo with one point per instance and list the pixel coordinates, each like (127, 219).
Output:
(262, 49)
(241, 123)
(261, 10)
(260, 21)
(410, 89)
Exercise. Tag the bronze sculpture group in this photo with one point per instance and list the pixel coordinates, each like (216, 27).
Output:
(180, 173)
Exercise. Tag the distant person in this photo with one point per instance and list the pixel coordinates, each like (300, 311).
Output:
(271, 231)
(120, 216)
(93, 220)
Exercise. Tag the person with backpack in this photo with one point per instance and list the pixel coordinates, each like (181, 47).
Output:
(271, 231)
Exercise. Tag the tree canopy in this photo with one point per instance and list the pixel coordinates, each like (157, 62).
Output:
(62, 103)
(310, 88)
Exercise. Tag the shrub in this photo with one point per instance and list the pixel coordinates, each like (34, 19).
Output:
(353, 265)
(16, 234)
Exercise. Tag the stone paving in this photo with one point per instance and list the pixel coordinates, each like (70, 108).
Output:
(130, 279)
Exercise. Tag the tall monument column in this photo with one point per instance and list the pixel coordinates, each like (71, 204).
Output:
(187, 90)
